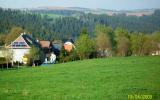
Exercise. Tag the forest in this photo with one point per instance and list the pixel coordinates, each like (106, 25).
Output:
(45, 27)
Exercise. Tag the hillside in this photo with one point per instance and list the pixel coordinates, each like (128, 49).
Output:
(64, 24)
(97, 79)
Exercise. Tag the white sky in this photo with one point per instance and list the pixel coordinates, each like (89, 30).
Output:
(106, 4)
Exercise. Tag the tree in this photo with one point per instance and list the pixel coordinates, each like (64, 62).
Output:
(13, 34)
(122, 41)
(8, 54)
(35, 54)
(2, 39)
(141, 44)
(135, 44)
(156, 39)
(67, 56)
(103, 39)
(84, 45)
(62, 55)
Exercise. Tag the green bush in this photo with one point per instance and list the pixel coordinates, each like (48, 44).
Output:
(2, 60)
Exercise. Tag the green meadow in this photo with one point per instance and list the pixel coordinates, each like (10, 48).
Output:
(52, 15)
(117, 78)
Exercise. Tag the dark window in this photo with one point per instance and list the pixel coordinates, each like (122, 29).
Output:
(19, 44)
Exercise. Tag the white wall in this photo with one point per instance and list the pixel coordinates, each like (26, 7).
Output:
(156, 53)
(18, 54)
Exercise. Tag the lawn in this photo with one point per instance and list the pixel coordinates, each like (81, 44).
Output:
(97, 79)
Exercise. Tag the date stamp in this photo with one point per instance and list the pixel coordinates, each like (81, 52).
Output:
(139, 97)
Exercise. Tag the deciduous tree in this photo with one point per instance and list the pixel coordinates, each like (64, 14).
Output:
(35, 54)
(122, 41)
(13, 34)
(84, 45)
(141, 44)
(103, 39)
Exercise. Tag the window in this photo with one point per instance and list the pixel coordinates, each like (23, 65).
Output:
(19, 44)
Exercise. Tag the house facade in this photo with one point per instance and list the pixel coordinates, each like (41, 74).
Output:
(48, 50)
(20, 47)
(68, 46)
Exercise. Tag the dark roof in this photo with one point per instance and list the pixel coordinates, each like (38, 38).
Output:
(70, 40)
(27, 39)
(30, 40)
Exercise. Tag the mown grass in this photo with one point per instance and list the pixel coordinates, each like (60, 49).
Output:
(96, 79)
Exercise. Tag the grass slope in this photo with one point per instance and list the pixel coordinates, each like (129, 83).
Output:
(97, 79)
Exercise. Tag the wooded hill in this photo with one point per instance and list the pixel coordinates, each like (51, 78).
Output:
(43, 24)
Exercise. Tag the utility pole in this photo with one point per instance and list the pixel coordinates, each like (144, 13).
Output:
(12, 53)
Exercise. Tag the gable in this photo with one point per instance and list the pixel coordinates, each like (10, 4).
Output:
(19, 43)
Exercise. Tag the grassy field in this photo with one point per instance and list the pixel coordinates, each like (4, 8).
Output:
(96, 79)
(52, 15)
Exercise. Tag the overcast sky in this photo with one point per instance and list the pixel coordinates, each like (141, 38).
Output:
(106, 4)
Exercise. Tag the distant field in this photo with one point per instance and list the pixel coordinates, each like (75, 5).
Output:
(97, 79)
(52, 15)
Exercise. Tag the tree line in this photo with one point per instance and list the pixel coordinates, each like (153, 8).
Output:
(106, 42)
(109, 42)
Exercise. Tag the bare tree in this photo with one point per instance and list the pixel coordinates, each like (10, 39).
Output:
(123, 42)
(103, 39)
(7, 53)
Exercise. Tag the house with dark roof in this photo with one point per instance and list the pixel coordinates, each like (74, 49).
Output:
(47, 48)
(49, 51)
(21, 46)
(57, 46)
(46, 45)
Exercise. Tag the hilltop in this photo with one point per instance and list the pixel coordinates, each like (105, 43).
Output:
(136, 12)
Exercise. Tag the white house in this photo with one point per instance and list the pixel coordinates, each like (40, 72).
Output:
(21, 46)
(156, 53)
